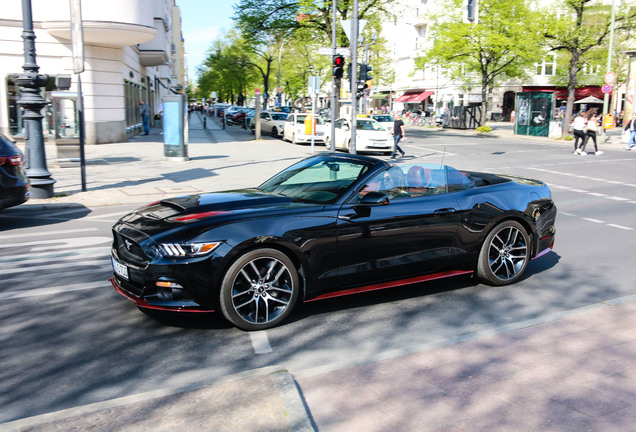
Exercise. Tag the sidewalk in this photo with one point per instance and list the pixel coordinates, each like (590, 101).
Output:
(574, 371)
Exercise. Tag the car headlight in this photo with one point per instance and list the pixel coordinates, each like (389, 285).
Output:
(180, 250)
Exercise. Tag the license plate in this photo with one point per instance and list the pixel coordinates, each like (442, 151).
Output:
(119, 268)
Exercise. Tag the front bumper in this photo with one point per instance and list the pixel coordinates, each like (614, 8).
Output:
(151, 302)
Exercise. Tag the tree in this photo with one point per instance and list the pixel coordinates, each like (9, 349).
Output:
(502, 45)
(577, 27)
(227, 70)
(269, 22)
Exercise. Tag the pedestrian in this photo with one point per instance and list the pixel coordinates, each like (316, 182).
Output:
(144, 110)
(578, 129)
(631, 127)
(591, 128)
(398, 134)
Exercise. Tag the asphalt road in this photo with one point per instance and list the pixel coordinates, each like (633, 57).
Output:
(69, 339)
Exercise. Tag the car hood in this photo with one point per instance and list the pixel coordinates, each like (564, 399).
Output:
(206, 209)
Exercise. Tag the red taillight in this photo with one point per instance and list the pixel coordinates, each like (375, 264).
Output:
(199, 215)
(11, 160)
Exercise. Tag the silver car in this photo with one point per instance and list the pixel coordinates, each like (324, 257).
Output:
(272, 123)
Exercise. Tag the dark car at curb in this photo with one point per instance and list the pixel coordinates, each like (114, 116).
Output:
(327, 226)
(15, 188)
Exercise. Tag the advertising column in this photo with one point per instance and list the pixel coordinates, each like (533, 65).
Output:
(174, 128)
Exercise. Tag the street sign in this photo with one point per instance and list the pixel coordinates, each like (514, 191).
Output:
(314, 84)
(610, 77)
(608, 121)
(342, 51)
(606, 88)
(257, 91)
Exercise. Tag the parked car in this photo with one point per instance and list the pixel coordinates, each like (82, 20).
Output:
(329, 225)
(15, 187)
(370, 136)
(294, 129)
(385, 120)
(272, 123)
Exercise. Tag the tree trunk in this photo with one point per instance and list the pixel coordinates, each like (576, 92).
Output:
(572, 81)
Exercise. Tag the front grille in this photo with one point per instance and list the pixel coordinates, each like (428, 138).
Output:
(129, 250)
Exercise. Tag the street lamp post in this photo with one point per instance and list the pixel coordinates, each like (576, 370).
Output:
(32, 103)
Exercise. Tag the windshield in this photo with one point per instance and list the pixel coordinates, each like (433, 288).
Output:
(383, 118)
(368, 124)
(279, 116)
(317, 180)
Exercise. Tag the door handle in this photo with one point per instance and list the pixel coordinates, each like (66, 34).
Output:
(444, 211)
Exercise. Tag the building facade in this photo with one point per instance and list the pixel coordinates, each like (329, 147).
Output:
(133, 50)
(431, 89)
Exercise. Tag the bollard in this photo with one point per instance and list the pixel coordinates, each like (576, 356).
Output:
(205, 123)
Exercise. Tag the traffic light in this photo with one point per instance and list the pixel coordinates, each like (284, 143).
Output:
(338, 66)
(364, 73)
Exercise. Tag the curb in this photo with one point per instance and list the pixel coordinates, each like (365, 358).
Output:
(295, 412)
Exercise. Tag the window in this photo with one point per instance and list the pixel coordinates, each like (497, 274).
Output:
(547, 67)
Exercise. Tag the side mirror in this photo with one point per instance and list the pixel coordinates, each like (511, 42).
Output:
(374, 199)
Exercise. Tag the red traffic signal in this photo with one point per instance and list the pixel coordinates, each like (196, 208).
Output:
(338, 66)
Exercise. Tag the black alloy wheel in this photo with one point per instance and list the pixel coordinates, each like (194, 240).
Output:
(259, 290)
(504, 255)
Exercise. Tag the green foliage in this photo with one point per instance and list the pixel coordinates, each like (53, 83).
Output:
(502, 45)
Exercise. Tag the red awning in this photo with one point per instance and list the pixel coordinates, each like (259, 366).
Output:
(562, 93)
(414, 97)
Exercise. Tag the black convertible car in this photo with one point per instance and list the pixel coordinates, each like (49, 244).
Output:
(328, 225)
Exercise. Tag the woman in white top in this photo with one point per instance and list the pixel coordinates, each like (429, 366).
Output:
(578, 129)
(590, 132)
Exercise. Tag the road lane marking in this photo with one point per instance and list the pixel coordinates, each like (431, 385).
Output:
(260, 342)
(593, 220)
(47, 233)
(21, 260)
(52, 290)
(620, 227)
(64, 243)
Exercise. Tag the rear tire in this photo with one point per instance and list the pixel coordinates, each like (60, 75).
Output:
(259, 290)
(504, 255)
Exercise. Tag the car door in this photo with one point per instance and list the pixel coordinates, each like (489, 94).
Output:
(265, 123)
(411, 235)
(339, 134)
(289, 127)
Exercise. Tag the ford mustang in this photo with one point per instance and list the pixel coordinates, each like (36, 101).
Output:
(327, 226)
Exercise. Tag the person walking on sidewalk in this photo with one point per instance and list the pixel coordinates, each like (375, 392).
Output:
(591, 128)
(578, 129)
(398, 134)
(144, 110)
(631, 127)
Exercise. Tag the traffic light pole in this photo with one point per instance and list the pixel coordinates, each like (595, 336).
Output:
(334, 87)
(353, 42)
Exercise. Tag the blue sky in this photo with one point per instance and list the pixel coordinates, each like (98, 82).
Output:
(202, 21)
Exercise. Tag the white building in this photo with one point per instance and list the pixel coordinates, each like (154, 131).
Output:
(133, 50)
(430, 88)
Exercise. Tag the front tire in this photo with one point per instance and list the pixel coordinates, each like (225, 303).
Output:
(504, 255)
(259, 290)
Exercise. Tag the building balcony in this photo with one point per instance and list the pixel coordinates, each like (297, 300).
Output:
(121, 23)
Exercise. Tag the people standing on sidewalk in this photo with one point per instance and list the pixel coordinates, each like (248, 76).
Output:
(578, 129)
(591, 128)
(144, 110)
(631, 127)
(398, 134)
